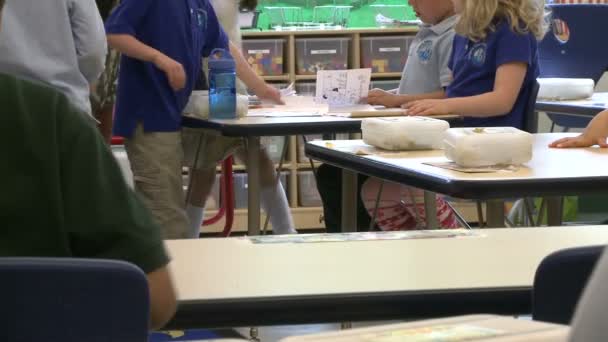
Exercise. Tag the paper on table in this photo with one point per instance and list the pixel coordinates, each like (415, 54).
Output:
(342, 87)
(485, 169)
(294, 106)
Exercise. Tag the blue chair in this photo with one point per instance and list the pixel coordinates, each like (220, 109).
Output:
(582, 56)
(72, 300)
(559, 283)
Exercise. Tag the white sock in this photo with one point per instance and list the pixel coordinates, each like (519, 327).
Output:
(196, 215)
(274, 202)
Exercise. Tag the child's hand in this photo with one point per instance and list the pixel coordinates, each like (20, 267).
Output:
(382, 97)
(582, 140)
(174, 71)
(270, 93)
(427, 107)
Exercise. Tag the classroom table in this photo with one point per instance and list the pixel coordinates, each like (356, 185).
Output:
(586, 108)
(551, 173)
(252, 128)
(233, 282)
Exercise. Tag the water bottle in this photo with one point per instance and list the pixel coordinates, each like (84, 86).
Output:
(222, 85)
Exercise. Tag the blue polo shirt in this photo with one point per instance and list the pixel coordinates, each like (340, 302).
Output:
(474, 66)
(186, 31)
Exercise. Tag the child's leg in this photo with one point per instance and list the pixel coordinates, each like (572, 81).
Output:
(272, 196)
(156, 161)
(200, 188)
(402, 207)
(212, 150)
(392, 213)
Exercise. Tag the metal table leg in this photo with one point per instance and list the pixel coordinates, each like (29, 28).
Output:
(349, 201)
(253, 186)
(430, 210)
(495, 214)
(555, 208)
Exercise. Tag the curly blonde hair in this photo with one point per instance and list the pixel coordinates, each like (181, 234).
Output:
(478, 17)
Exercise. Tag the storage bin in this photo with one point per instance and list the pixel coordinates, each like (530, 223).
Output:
(385, 85)
(308, 194)
(265, 56)
(274, 147)
(475, 147)
(314, 54)
(213, 201)
(385, 54)
(306, 88)
(301, 156)
(240, 189)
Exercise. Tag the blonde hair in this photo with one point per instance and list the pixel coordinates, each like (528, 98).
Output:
(478, 17)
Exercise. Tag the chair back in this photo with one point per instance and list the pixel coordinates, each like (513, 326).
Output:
(559, 282)
(72, 300)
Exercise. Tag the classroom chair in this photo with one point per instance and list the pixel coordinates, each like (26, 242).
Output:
(72, 300)
(559, 283)
(575, 53)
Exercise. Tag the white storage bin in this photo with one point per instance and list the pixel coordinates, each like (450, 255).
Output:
(306, 88)
(311, 137)
(308, 194)
(404, 133)
(475, 147)
(274, 147)
(265, 56)
(565, 88)
(314, 54)
(385, 54)
(240, 189)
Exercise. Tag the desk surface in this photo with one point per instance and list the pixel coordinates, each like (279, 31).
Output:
(589, 107)
(551, 172)
(270, 126)
(233, 282)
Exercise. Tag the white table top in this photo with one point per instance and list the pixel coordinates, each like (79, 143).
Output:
(233, 268)
(547, 163)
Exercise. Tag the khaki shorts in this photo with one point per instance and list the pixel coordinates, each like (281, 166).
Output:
(214, 147)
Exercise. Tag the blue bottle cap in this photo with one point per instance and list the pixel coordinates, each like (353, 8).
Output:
(221, 59)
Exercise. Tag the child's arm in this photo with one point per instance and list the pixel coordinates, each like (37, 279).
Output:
(89, 39)
(388, 99)
(130, 46)
(595, 133)
(251, 79)
(500, 101)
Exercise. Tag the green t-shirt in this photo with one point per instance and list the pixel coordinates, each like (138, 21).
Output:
(61, 191)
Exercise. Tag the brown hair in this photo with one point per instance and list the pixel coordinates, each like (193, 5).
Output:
(478, 17)
(1, 4)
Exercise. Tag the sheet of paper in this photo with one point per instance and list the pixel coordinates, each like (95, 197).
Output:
(342, 237)
(340, 88)
(485, 169)
(295, 106)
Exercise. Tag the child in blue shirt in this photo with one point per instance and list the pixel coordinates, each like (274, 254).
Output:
(163, 43)
(494, 63)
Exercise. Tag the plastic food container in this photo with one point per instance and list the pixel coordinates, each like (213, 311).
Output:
(475, 147)
(565, 88)
(404, 133)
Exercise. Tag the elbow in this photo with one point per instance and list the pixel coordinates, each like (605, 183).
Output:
(163, 301)
(504, 106)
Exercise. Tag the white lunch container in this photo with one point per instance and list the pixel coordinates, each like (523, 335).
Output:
(561, 89)
(404, 133)
(474, 147)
